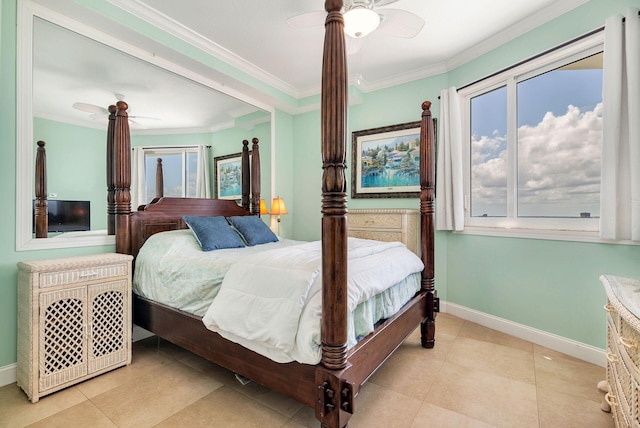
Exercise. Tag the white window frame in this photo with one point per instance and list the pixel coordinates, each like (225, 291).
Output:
(160, 151)
(512, 225)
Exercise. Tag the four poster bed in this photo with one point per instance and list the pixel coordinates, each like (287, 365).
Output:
(331, 385)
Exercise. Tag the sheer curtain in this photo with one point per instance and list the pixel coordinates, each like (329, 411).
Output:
(620, 188)
(203, 182)
(449, 184)
(137, 178)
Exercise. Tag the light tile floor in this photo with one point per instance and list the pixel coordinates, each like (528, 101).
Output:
(474, 377)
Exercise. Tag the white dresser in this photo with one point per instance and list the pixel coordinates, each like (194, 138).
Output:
(74, 320)
(387, 225)
(623, 349)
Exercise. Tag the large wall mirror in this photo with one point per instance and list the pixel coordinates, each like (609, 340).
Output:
(69, 74)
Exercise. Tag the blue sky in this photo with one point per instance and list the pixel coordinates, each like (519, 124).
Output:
(559, 145)
(550, 92)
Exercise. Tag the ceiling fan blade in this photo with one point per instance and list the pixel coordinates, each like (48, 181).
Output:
(144, 117)
(378, 3)
(136, 125)
(306, 20)
(90, 108)
(98, 116)
(400, 23)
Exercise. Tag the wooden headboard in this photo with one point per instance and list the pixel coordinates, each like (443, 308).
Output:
(166, 214)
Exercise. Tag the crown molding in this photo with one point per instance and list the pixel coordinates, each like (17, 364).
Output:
(173, 27)
(169, 25)
(516, 30)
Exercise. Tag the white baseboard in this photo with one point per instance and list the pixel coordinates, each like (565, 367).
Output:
(8, 374)
(591, 354)
(567, 346)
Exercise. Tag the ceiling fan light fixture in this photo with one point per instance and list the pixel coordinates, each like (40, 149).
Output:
(360, 21)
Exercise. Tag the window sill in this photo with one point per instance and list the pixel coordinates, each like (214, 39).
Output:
(545, 234)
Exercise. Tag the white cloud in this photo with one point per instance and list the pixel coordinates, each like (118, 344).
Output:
(558, 170)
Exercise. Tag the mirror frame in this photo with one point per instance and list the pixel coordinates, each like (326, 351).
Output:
(25, 146)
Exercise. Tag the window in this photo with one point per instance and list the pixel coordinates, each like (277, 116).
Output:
(179, 166)
(534, 142)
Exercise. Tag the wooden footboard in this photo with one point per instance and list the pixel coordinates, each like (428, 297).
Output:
(187, 331)
(295, 380)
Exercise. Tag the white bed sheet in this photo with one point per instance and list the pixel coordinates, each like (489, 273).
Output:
(173, 270)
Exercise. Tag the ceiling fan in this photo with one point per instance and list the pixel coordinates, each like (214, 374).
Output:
(98, 112)
(363, 16)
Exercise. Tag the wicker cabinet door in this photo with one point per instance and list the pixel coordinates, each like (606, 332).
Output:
(108, 332)
(62, 336)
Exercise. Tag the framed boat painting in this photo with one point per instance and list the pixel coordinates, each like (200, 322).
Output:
(227, 172)
(386, 162)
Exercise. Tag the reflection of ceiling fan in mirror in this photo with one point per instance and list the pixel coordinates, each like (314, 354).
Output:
(361, 17)
(98, 113)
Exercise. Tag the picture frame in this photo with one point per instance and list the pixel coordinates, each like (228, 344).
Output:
(227, 176)
(385, 162)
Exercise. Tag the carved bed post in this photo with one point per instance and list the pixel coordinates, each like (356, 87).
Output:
(427, 221)
(41, 210)
(334, 221)
(246, 176)
(111, 192)
(255, 177)
(122, 178)
(159, 179)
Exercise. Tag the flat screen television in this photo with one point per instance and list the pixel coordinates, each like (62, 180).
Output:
(66, 216)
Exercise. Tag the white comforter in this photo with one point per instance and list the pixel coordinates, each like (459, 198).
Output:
(272, 302)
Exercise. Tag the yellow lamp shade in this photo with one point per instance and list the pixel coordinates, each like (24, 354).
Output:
(278, 207)
(263, 207)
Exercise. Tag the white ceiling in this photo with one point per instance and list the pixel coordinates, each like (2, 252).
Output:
(256, 31)
(253, 36)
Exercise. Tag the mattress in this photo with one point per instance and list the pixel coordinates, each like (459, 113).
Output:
(172, 269)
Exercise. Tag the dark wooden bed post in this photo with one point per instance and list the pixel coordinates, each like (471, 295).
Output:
(255, 177)
(159, 179)
(334, 220)
(41, 210)
(246, 176)
(427, 222)
(122, 178)
(111, 192)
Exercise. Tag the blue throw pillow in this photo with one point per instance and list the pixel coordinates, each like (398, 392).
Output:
(213, 233)
(253, 229)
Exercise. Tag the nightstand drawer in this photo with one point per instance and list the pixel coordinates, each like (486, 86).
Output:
(378, 235)
(53, 279)
(375, 221)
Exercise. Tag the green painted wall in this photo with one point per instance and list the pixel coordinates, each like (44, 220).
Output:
(549, 285)
(85, 149)
(284, 177)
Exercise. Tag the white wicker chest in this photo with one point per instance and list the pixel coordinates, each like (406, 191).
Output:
(74, 320)
(387, 225)
(623, 349)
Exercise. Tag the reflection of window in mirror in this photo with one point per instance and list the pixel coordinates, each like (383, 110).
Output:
(185, 173)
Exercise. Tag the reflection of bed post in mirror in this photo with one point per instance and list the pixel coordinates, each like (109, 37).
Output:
(246, 177)
(159, 179)
(255, 178)
(111, 187)
(40, 206)
(122, 176)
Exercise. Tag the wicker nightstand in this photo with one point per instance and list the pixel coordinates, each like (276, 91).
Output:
(387, 225)
(74, 320)
(623, 349)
